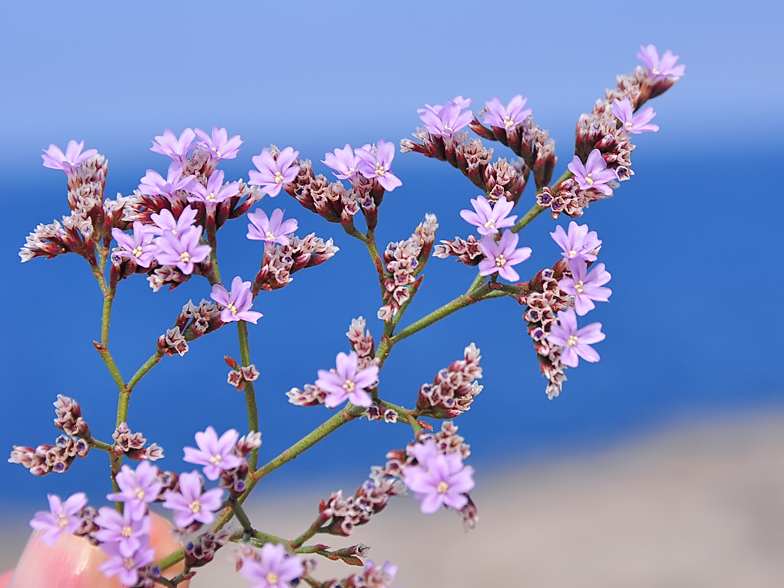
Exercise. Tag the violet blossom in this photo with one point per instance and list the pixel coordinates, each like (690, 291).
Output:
(236, 303)
(137, 488)
(344, 161)
(219, 146)
(183, 250)
(376, 163)
(216, 455)
(215, 191)
(124, 566)
(438, 479)
(575, 342)
(446, 120)
(73, 157)
(496, 115)
(501, 256)
(138, 247)
(122, 529)
(586, 286)
(379, 577)
(273, 173)
(634, 123)
(275, 568)
(660, 68)
(594, 174)
(489, 218)
(347, 381)
(168, 144)
(271, 229)
(63, 517)
(190, 503)
(153, 184)
(166, 223)
(578, 243)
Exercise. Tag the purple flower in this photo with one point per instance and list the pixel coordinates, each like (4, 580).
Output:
(501, 256)
(586, 287)
(190, 503)
(275, 569)
(347, 381)
(166, 223)
(274, 172)
(634, 124)
(216, 455)
(126, 567)
(270, 230)
(376, 577)
(61, 518)
(514, 114)
(182, 250)
(219, 146)
(153, 183)
(578, 243)
(489, 218)
(237, 303)
(137, 247)
(137, 488)
(376, 163)
(68, 161)
(446, 120)
(121, 529)
(168, 144)
(215, 191)
(594, 174)
(660, 68)
(564, 333)
(344, 161)
(439, 479)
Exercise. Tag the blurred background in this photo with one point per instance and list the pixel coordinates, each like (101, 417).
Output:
(661, 465)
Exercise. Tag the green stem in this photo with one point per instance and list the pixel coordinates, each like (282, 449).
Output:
(349, 413)
(100, 445)
(109, 361)
(250, 391)
(214, 260)
(316, 527)
(375, 256)
(142, 371)
(456, 304)
(267, 538)
(242, 517)
(108, 299)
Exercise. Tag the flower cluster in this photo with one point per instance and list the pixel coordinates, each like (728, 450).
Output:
(453, 389)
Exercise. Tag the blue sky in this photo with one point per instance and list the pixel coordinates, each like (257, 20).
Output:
(694, 321)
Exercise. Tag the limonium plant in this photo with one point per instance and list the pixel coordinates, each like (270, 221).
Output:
(167, 231)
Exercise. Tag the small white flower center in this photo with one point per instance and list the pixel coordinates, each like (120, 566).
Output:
(578, 287)
(139, 493)
(589, 179)
(629, 124)
(500, 261)
(572, 253)
(128, 563)
(442, 487)
(571, 341)
(508, 122)
(348, 386)
(62, 520)
(232, 308)
(272, 578)
(185, 257)
(211, 197)
(216, 459)
(126, 532)
(490, 224)
(655, 71)
(380, 171)
(137, 252)
(269, 235)
(219, 153)
(278, 177)
(195, 506)
(448, 128)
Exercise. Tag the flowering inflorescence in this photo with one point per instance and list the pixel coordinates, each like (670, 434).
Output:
(167, 230)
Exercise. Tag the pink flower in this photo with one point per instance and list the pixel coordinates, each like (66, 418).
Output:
(236, 303)
(124, 566)
(215, 191)
(575, 342)
(275, 568)
(153, 183)
(68, 161)
(578, 243)
(501, 256)
(446, 120)
(219, 146)
(137, 488)
(190, 503)
(344, 161)
(61, 518)
(376, 163)
(514, 114)
(489, 218)
(586, 287)
(634, 124)
(347, 381)
(270, 230)
(438, 479)
(594, 174)
(168, 144)
(660, 68)
(274, 172)
(182, 250)
(216, 455)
